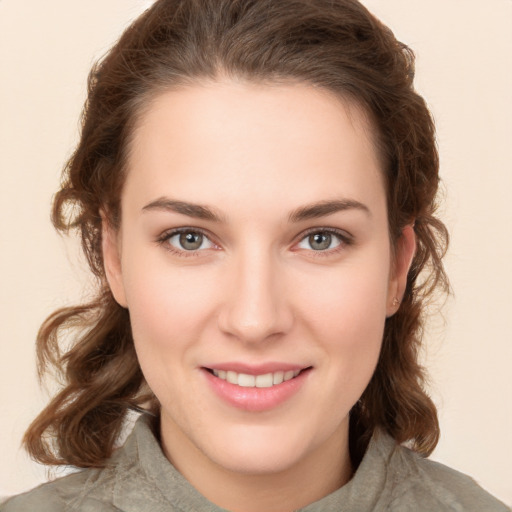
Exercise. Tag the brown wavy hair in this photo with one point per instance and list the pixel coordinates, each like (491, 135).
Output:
(336, 45)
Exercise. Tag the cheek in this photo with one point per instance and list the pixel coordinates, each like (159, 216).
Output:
(167, 316)
(168, 308)
(351, 301)
(165, 307)
(347, 316)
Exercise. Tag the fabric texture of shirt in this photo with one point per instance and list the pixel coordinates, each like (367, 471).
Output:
(139, 478)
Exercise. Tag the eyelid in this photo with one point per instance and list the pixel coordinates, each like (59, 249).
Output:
(346, 239)
(164, 237)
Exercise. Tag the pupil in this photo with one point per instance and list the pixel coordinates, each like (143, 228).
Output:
(320, 241)
(191, 241)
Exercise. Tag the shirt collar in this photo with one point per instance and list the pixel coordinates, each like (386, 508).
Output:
(147, 481)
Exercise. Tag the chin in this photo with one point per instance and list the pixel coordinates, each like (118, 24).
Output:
(262, 450)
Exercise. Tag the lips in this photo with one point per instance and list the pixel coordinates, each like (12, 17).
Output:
(266, 380)
(256, 389)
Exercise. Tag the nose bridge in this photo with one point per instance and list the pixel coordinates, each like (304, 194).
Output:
(257, 306)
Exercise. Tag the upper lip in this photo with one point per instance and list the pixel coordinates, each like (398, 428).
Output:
(256, 369)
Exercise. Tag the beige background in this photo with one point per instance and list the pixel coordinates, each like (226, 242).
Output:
(464, 50)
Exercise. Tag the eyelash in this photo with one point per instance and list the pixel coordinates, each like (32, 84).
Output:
(164, 238)
(344, 238)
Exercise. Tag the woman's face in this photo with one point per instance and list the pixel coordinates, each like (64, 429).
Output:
(255, 261)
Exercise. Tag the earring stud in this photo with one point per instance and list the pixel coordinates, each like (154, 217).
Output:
(396, 302)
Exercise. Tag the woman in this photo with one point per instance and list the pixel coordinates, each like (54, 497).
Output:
(255, 190)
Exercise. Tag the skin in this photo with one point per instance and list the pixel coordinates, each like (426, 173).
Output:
(256, 290)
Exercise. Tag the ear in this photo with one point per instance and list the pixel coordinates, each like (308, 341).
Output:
(111, 248)
(404, 254)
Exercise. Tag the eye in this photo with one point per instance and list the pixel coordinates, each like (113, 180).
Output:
(188, 240)
(321, 241)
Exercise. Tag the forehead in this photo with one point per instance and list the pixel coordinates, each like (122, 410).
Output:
(232, 141)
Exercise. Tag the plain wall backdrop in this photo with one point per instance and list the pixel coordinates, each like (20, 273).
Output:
(464, 50)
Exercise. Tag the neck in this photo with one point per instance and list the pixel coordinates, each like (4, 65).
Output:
(317, 474)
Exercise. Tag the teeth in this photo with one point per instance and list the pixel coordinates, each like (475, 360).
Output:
(288, 375)
(266, 380)
(278, 378)
(231, 377)
(246, 381)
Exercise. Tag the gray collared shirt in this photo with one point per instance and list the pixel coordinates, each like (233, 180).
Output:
(138, 478)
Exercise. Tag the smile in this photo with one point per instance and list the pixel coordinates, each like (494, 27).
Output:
(254, 389)
(266, 380)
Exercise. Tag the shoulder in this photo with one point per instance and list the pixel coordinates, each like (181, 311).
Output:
(427, 485)
(97, 489)
(86, 490)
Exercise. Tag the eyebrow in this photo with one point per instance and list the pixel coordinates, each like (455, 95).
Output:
(190, 209)
(323, 208)
(310, 211)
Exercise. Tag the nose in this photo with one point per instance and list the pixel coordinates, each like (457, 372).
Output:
(257, 306)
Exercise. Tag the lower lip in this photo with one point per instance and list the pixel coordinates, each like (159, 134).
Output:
(256, 399)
